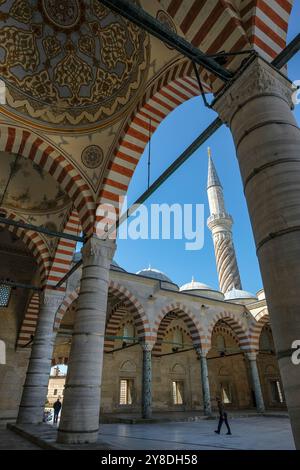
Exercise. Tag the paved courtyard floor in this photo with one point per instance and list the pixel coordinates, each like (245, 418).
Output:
(255, 433)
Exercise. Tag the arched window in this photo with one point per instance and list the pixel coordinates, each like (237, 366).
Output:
(221, 343)
(2, 352)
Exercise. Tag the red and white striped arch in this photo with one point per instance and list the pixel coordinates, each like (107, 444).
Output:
(255, 328)
(35, 243)
(169, 90)
(64, 251)
(234, 322)
(30, 321)
(232, 26)
(30, 145)
(128, 302)
(191, 323)
(266, 25)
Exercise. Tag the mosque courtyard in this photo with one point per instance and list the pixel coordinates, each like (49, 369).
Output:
(248, 433)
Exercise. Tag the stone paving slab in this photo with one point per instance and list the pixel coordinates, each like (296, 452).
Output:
(182, 416)
(11, 441)
(255, 433)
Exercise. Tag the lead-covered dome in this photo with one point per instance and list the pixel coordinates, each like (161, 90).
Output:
(240, 296)
(159, 276)
(199, 288)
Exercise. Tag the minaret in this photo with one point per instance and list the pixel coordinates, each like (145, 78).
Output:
(220, 225)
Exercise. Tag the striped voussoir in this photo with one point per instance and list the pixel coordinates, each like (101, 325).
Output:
(35, 243)
(173, 87)
(30, 145)
(234, 322)
(64, 251)
(183, 313)
(255, 328)
(30, 321)
(68, 300)
(129, 304)
(259, 24)
(221, 329)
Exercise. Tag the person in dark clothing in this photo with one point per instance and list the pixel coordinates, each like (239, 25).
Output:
(57, 408)
(222, 417)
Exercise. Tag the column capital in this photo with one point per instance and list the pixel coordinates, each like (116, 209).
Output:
(200, 352)
(147, 347)
(252, 356)
(98, 249)
(51, 298)
(259, 78)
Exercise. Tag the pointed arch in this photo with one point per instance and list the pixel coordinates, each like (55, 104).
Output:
(256, 326)
(173, 87)
(183, 313)
(235, 324)
(34, 242)
(266, 25)
(30, 145)
(65, 250)
(130, 303)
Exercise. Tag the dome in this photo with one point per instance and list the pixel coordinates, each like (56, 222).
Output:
(114, 265)
(195, 285)
(154, 274)
(240, 296)
(70, 63)
(201, 289)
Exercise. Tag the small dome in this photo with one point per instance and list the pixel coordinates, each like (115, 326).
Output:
(114, 265)
(201, 289)
(240, 296)
(195, 285)
(154, 274)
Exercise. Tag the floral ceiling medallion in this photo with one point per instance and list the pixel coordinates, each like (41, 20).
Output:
(63, 14)
(70, 63)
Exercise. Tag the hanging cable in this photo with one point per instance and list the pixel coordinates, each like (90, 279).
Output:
(149, 154)
(206, 103)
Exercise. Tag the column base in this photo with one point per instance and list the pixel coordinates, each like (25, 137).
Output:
(30, 415)
(74, 437)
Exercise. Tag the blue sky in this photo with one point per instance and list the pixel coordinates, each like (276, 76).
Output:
(188, 185)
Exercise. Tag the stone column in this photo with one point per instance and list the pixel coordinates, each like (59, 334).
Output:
(204, 381)
(147, 381)
(260, 406)
(36, 383)
(80, 412)
(257, 108)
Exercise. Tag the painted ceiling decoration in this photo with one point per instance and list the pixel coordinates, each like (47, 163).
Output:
(70, 63)
(30, 188)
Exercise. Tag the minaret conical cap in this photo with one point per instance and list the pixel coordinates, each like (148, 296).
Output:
(212, 178)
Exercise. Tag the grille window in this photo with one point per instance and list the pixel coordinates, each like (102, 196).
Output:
(4, 295)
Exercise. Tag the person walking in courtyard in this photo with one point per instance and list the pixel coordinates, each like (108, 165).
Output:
(222, 417)
(57, 408)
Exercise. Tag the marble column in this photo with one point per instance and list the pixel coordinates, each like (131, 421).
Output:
(260, 406)
(81, 407)
(204, 381)
(147, 381)
(257, 107)
(35, 389)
